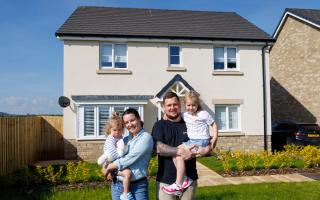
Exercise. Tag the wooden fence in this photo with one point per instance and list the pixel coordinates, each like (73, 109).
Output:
(26, 140)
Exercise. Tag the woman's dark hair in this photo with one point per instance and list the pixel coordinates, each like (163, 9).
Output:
(134, 112)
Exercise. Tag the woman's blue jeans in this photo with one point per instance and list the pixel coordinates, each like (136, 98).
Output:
(138, 190)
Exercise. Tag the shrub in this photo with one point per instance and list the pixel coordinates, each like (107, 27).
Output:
(71, 172)
(49, 175)
(77, 172)
(99, 176)
(253, 160)
(83, 171)
(292, 150)
(291, 153)
(310, 156)
(152, 169)
(279, 160)
(225, 159)
(240, 160)
(267, 158)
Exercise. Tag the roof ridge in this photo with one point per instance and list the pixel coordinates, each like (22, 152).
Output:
(165, 9)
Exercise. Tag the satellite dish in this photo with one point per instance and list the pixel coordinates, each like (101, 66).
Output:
(64, 101)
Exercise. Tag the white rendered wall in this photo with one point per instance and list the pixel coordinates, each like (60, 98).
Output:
(148, 63)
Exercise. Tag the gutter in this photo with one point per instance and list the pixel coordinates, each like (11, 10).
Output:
(145, 38)
(265, 116)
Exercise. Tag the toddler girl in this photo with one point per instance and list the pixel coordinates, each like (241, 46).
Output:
(115, 148)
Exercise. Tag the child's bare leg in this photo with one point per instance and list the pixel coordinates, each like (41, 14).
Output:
(203, 151)
(126, 174)
(181, 168)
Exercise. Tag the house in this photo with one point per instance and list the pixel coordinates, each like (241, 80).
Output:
(295, 67)
(115, 58)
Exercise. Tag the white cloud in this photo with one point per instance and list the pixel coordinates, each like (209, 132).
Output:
(30, 105)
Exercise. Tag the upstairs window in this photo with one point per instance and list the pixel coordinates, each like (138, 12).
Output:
(113, 56)
(174, 55)
(225, 58)
(219, 58)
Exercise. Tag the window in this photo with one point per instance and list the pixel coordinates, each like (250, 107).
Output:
(225, 58)
(92, 119)
(227, 117)
(174, 55)
(113, 56)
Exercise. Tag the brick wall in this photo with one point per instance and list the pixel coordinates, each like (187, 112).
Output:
(295, 73)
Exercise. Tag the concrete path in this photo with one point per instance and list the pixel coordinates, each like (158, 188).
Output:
(208, 177)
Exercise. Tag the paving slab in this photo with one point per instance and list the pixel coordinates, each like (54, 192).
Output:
(243, 179)
(297, 177)
(266, 179)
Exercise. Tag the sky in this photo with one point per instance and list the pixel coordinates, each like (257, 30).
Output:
(31, 57)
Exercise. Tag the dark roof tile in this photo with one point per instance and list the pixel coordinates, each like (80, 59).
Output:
(312, 15)
(156, 23)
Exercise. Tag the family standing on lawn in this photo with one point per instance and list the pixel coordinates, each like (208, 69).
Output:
(177, 139)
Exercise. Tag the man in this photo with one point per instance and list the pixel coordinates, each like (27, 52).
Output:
(168, 134)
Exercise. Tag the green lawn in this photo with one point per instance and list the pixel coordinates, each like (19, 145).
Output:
(211, 162)
(290, 191)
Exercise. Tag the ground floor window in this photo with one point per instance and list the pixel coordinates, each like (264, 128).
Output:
(92, 119)
(228, 117)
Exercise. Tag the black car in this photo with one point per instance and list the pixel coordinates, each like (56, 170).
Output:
(285, 132)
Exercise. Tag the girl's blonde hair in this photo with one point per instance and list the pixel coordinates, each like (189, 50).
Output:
(194, 97)
(115, 120)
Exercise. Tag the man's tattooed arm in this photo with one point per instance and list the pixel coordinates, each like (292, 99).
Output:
(166, 150)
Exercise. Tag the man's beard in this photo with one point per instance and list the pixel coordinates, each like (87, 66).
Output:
(173, 118)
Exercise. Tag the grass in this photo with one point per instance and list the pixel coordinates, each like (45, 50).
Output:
(265, 191)
(212, 163)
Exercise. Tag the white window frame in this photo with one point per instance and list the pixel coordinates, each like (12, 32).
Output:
(113, 56)
(225, 58)
(227, 117)
(96, 136)
(180, 55)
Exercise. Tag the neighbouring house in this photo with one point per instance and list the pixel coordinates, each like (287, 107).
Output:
(295, 67)
(115, 58)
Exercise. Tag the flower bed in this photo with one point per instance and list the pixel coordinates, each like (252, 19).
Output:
(72, 175)
(293, 159)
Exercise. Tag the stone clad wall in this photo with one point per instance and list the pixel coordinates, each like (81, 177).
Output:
(83, 150)
(295, 73)
(243, 143)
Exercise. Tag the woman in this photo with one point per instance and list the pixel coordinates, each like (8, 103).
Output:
(137, 159)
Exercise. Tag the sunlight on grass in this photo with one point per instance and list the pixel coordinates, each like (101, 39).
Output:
(266, 191)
